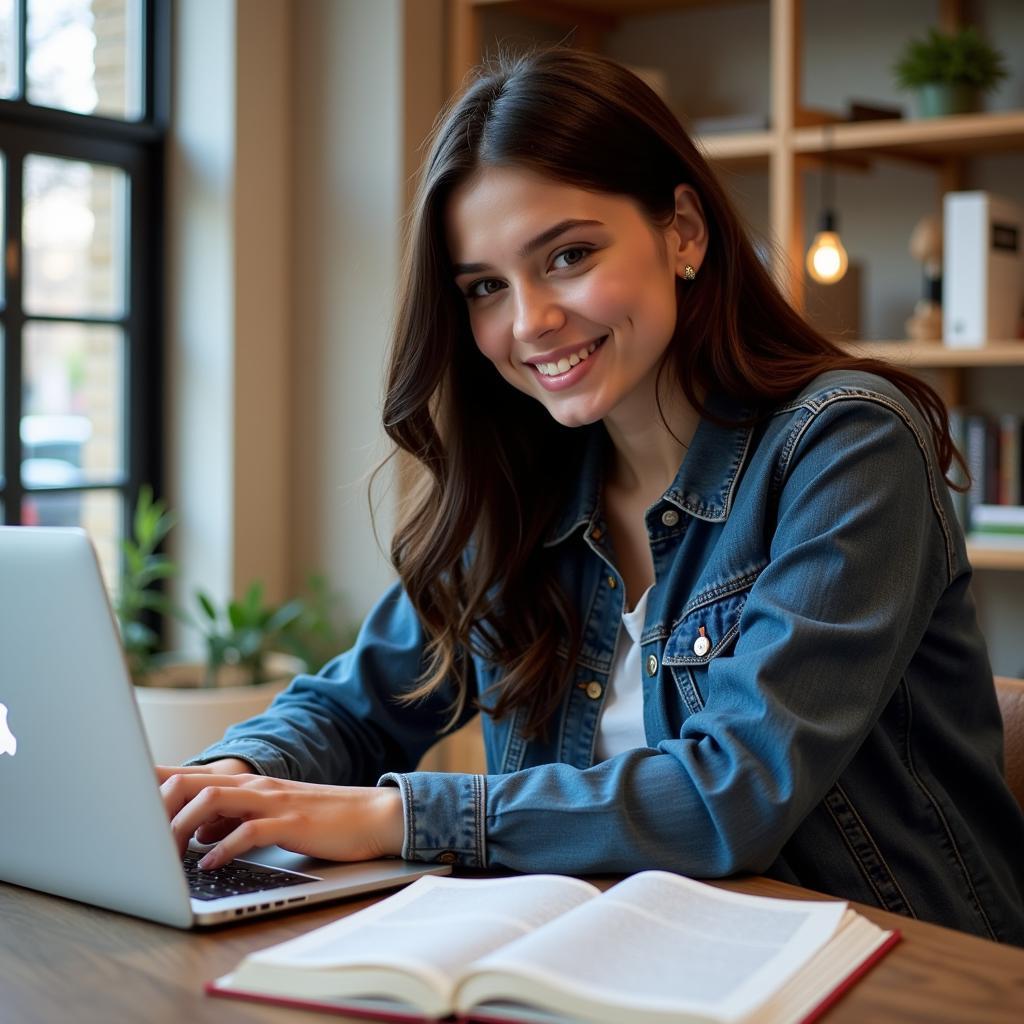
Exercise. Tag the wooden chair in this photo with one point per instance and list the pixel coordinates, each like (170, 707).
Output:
(1011, 703)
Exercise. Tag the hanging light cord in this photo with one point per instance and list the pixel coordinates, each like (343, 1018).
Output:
(827, 184)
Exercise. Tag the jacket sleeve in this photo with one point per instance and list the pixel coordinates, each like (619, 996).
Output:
(859, 557)
(346, 725)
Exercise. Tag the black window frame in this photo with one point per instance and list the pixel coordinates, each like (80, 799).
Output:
(137, 148)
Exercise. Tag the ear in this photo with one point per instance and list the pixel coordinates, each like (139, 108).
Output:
(687, 236)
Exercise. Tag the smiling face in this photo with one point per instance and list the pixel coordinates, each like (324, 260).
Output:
(571, 294)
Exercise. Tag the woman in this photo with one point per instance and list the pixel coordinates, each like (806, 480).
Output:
(698, 568)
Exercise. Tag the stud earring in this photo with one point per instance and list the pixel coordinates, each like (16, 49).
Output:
(689, 273)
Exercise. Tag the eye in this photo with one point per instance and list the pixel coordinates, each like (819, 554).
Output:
(571, 257)
(484, 287)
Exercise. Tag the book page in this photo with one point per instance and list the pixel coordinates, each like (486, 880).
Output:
(668, 945)
(433, 928)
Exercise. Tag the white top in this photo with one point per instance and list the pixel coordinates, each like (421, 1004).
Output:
(622, 720)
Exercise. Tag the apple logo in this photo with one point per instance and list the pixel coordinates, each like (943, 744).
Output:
(8, 744)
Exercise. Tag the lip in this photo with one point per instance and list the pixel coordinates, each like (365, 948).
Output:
(561, 381)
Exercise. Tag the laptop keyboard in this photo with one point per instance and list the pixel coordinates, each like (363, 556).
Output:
(235, 878)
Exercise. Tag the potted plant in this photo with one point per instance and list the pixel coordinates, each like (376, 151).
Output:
(949, 71)
(252, 649)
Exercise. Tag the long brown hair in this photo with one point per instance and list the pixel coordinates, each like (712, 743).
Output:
(468, 544)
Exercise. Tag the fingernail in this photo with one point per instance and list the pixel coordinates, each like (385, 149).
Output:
(207, 863)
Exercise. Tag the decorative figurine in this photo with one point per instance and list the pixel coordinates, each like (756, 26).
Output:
(925, 324)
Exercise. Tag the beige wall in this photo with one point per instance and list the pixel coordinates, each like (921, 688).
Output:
(295, 130)
(200, 311)
(346, 205)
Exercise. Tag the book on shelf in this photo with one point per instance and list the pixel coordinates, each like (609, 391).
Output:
(998, 520)
(1010, 449)
(869, 110)
(653, 949)
(1002, 543)
(993, 447)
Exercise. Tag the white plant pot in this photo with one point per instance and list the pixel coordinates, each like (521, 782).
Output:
(181, 718)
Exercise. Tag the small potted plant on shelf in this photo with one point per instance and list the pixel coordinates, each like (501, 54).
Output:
(949, 71)
(252, 649)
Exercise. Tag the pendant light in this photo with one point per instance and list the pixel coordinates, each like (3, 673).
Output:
(827, 261)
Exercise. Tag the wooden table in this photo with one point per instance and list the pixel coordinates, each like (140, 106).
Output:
(63, 961)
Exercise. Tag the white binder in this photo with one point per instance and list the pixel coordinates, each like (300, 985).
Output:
(982, 269)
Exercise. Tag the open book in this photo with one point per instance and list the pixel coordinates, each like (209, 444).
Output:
(654, 948)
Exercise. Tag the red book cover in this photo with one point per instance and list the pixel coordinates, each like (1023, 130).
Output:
(360, 1010)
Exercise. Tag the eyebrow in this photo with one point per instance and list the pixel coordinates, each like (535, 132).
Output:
(544, 238)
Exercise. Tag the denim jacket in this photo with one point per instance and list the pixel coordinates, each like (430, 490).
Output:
(817, 698)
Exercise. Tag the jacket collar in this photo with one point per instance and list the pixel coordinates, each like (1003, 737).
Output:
(704, 486)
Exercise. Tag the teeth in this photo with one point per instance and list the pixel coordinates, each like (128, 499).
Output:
(565, 364)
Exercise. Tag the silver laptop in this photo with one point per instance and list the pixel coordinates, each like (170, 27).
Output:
(80, 809)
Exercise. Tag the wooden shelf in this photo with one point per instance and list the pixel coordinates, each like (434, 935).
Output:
(608, 8)
(933, 138)
(987, 555)
(797, 139)
(935, 354)
(737, 148)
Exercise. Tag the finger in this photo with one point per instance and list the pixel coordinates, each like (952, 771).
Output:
(165, 771)
(181, 788)
(249, 834)
(213, 803)
(214, 831)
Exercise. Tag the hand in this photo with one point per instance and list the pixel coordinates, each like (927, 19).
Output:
(242, 811)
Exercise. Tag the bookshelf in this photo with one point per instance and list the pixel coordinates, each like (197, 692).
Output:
(796, 140)
(782, 52)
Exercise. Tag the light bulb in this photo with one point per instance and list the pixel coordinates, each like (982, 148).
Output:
(827, 261)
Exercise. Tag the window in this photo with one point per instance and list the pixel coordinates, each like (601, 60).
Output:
(83, 109)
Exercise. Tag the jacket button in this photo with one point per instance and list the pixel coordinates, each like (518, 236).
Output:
(670, 517)
(652, 665)
(701, 646)
(594, 689)
(596, 533)
(448, 857)
(612, 582)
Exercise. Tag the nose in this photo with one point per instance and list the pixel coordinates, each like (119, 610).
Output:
(537, 312)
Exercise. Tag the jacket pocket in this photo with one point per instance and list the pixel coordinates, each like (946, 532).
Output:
(708, 629)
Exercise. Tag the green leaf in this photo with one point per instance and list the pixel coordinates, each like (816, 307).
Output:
(250, 643)
(959, 58)
(141, 519)
(151, 599)
(254, 601)
(158, 569)
(207, 605)
(285, 616)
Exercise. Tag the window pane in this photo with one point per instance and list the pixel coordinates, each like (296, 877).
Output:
(99, 512)
(74, 237)
(71, 428)
(86, 56)
(8, 50)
